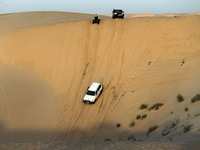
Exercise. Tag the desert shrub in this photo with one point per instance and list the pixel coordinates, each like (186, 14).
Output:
(138, 117)
(107, 140)
(186, 108)
(198, 96)
(187, 128)
(132, 124)
(151, 129)
(131, 137)
(165, 133)
(118, 125)
(180, 98)
(197, 115)
(143, 106)
(195, 98)
(156, 106)
(144, 116)
(173, 125)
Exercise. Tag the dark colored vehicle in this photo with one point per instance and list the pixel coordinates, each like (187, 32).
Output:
(96, 19)
(117, 13)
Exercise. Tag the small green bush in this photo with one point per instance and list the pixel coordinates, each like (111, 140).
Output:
(186, 109)
(187, 128)
(132, 124)
(197, 115)
(195, 98)
(165, 133)
(173, 125)
(143, 106)
(144, 116)
(156, 106)
(151, 129)
(180, 98)
(107, 140)
(118, 125)
(131, 137)
(138, 117)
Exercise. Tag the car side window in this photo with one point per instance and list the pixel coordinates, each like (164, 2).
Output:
(99, 88)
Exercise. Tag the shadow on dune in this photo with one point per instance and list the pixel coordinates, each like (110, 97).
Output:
(110, 133)
(78, 138)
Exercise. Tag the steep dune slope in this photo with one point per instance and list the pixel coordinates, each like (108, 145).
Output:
(46, 70)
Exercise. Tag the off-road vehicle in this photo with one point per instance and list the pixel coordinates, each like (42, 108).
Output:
(96, 19)
(93, 92)
(117, 13)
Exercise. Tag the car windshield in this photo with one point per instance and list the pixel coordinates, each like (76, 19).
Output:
(90, 93)
(119, 11)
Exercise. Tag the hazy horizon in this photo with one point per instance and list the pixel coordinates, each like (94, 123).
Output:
(101, 7)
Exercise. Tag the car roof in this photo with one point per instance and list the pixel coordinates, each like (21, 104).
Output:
(94, 86)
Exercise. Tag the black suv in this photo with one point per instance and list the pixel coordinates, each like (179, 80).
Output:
(117, 13)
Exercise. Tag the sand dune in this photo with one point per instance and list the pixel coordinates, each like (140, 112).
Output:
(47, 61)
(161, 15)
(10, 22)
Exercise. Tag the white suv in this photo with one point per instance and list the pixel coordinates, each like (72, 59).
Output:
(93, 92)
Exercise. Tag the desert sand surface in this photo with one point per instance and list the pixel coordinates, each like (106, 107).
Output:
(48, 59)
(114, 145)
